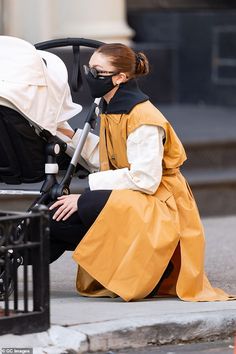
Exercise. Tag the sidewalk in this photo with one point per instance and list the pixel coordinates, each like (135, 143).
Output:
(87, 325)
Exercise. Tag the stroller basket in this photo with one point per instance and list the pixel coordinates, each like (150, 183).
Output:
(24, 236)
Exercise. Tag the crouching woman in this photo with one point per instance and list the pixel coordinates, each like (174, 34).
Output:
(137, 231)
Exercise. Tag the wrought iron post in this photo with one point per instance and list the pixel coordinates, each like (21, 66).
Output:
(24, 242)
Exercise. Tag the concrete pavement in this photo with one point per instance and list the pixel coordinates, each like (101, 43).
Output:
(86, 325)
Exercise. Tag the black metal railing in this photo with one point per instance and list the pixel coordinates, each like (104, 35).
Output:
(24, 271)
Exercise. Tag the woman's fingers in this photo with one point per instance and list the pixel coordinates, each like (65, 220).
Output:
(56, 204)
(66, 205)
(68, 214)
(64, 196)
(60, 201)
(61, 212)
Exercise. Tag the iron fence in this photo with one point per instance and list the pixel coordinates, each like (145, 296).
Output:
(24, 271)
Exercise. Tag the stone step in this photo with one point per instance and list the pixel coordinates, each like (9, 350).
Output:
(210, 170)
(213, 154)
(214, 190)
(210, 176)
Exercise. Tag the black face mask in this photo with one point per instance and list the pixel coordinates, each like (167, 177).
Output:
(100, 85)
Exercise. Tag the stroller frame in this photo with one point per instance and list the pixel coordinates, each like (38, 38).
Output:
(51, 189)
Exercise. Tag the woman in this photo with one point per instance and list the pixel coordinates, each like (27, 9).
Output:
(137, 229)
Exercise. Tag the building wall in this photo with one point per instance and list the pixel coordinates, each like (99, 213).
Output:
(40, 20)
(201, 46)
(1, 17)
(180, 4)
(191, 44)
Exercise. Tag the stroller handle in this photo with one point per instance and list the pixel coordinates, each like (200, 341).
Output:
(76, 43)
(63, 187)
(64, 42)
(54, 190)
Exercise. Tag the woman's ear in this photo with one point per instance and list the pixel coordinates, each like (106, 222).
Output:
(120, 78)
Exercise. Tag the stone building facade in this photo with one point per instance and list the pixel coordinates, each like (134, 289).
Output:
(191, 44)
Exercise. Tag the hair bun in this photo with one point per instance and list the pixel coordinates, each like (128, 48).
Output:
(139, 56)
(142, 65)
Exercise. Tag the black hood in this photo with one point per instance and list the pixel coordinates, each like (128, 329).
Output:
(125, 98)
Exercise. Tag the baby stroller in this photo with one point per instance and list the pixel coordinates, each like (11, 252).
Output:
(31, 147)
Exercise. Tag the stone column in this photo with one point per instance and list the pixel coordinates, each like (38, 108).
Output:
(39, 20)
(28, 19)
(103, 20)
(1, 18)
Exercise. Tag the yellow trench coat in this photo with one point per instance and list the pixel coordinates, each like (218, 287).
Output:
(130, 244)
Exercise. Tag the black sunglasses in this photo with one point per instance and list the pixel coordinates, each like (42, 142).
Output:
(96, 73)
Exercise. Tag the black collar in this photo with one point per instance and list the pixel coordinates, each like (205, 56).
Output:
(125, 98)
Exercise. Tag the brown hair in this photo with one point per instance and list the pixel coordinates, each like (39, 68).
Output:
(125, 59)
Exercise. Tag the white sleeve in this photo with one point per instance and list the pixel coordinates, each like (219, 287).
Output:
(145, 154)
(90, 152)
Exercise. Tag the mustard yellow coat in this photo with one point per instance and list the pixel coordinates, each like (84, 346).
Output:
(130, 244)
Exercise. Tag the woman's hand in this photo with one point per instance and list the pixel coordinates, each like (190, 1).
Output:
(67, 205)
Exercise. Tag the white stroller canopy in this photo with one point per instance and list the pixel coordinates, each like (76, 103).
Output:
(39, 91)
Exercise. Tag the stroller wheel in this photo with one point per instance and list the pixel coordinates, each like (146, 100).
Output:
(8, 290)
